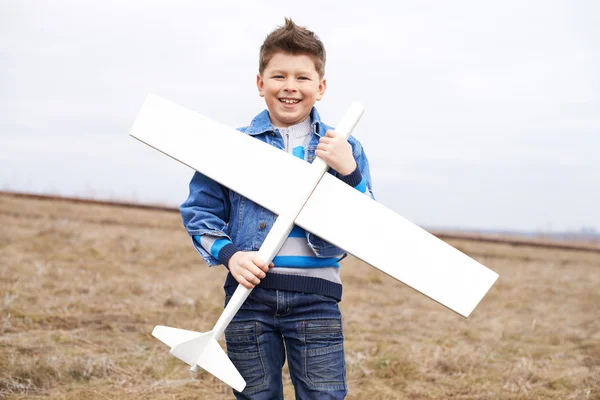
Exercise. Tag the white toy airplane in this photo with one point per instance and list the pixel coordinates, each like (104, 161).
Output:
(313, 200)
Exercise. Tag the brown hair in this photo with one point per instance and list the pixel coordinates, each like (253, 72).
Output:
(293, 39)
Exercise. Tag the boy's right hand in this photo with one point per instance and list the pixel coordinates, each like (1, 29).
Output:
(247, 268)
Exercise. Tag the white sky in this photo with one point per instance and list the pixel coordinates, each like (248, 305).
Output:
(479, 114)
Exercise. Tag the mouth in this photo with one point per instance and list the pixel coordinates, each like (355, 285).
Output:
(288, 101)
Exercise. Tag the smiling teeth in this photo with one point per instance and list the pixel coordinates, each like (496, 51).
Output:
(289, 101)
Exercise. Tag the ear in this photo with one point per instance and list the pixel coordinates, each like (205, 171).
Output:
(321, 89)
(260, 84)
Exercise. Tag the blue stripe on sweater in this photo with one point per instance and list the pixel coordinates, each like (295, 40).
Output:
(298, 151)
(217, 246)
(305, 262)
(198, 239)
(297, 232)
(362, 186)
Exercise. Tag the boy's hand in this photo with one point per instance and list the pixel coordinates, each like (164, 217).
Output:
(247, 268)
(336, 152)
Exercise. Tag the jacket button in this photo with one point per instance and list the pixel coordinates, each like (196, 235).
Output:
(262, 225)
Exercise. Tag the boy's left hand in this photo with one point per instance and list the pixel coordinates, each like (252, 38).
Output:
(336, 152)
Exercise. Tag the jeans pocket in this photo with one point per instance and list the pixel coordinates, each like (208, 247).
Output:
(325, 352)
(244, 351)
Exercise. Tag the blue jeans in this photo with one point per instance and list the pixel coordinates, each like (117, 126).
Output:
(306, 327)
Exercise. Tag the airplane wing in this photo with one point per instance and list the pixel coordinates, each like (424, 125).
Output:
(207, 146)
(355, 223)
(378, 236)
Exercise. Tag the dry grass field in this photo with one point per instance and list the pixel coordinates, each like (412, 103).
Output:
(82, 286)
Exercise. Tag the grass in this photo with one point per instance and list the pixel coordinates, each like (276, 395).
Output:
(82, 286)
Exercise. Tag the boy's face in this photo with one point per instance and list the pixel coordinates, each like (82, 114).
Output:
(290, 85)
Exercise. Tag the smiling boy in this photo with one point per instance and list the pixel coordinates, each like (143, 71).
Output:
(293, 310)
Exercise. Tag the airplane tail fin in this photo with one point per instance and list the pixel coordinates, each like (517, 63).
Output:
(201, 349)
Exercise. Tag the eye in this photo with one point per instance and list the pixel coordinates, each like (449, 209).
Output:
(278, 77)
(304, 78)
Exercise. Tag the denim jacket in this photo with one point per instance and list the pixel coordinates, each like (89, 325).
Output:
(213, 209)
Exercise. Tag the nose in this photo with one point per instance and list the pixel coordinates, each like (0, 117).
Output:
(290, 85)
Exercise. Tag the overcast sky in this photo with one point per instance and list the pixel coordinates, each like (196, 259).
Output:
(479, 114)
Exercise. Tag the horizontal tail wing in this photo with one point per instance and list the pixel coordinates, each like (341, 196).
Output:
(206, 352)
(173, 336)
(375, 234)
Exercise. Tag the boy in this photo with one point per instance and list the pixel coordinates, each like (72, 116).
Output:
(293, 309)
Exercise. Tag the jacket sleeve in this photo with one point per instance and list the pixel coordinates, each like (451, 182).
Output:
(360, 179)
(206, 212)
(220, 248)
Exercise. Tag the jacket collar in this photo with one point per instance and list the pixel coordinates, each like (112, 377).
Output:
(262, 123)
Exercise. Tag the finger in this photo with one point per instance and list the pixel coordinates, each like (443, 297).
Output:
(250, 277)
(322, 146)
(242, 281)
(258, 271)
(260, 263)
(271, 265)
(321, 153)
(325, 139)
(252, 273)
(330, 134)
(264, 267)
